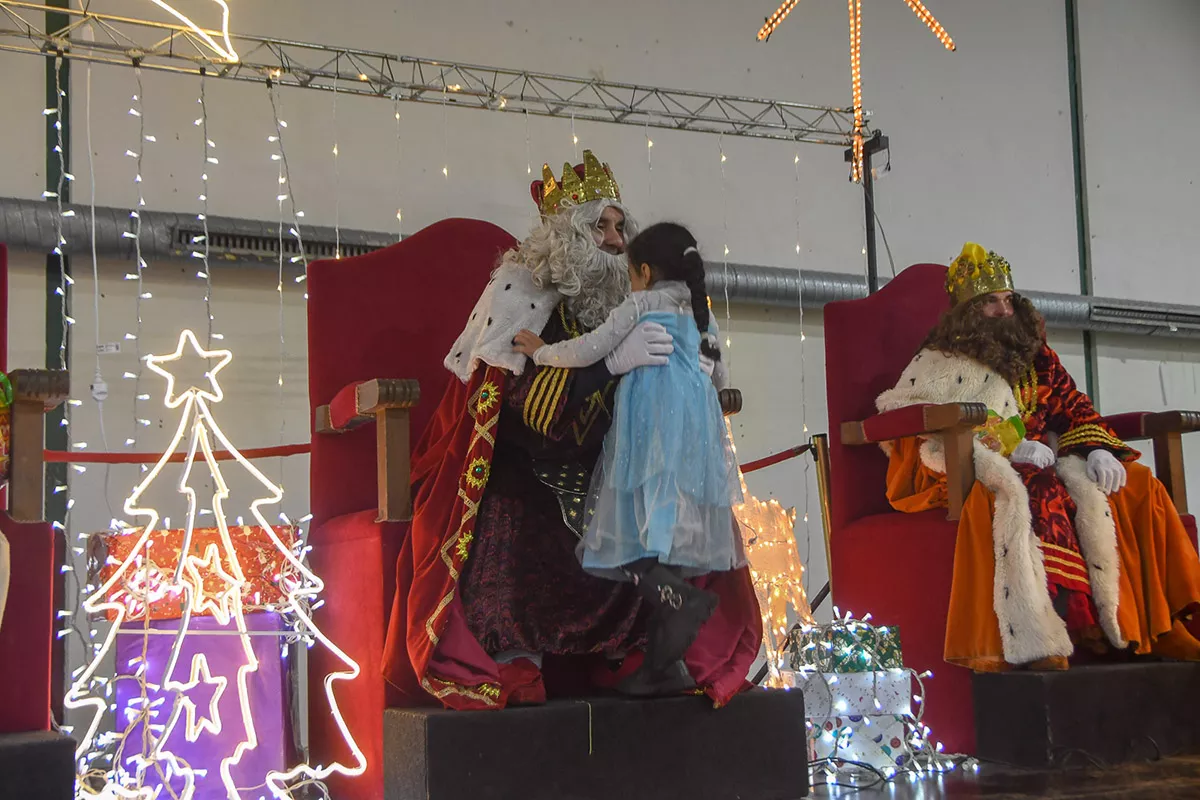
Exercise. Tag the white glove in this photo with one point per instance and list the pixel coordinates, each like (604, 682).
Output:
(707, 365)
(1031, 452)
(1106, 470)
(647, 345)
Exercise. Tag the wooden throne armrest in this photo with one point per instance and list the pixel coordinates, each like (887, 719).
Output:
(35, 391)
(954, 422)
(386, 402)
(1165, 429)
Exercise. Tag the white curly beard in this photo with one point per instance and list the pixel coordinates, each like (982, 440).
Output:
(561, 253)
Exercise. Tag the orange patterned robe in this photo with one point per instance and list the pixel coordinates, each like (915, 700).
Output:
(1159, 572)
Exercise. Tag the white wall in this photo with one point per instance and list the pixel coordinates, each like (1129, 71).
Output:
(1140, 83)
(981, 150)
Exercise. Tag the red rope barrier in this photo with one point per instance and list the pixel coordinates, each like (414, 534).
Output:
(768, 461)
(282, 451)
(61, 457)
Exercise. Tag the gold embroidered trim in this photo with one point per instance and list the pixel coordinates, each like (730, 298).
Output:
(486, 693)
(486, 399)
(1061, 574)
(1053, 546)
(1064, 563)
(1090, 434)
(460, 543)
(543, 398)
(1026, 393)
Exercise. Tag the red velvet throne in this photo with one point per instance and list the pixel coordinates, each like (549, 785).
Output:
(27, 632)
(379, 326)
(898, 566)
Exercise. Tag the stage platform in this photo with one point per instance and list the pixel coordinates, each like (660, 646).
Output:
(602, 749)
(37, 766)
(1108, 713)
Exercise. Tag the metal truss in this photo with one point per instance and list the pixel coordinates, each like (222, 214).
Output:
(109, 39)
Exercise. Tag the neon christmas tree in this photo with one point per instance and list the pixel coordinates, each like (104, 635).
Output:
(177, 706)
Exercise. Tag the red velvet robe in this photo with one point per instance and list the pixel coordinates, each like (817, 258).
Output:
(489, 564)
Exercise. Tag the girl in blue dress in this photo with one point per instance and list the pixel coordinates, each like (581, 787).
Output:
(660, 506)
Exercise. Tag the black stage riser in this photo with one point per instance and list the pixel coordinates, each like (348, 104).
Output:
(37, 766)
(1113, 713)
(601, 749)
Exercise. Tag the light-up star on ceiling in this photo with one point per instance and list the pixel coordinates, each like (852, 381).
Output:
(855, 10)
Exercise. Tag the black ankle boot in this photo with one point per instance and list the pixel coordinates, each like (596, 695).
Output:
(680, 609)
(675, 679)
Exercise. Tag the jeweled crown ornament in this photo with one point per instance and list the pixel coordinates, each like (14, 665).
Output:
(977, 272)
(589, 181)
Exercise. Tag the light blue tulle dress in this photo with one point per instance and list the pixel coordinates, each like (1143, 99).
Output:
(667, 480)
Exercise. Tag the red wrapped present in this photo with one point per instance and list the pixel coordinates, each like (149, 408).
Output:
(269, 575)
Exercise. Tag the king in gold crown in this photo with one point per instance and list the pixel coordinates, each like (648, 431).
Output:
(977, 272)
(595, 183)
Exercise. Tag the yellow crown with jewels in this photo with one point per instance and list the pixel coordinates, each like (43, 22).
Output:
(595, 183)
(977, 272)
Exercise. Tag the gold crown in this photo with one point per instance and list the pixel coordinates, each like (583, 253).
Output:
(597, 183)
(977, 272)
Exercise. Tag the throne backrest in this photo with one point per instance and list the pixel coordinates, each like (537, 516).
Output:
(868, 343)
(392, 313)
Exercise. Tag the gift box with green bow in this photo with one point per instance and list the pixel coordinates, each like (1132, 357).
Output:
(852, 647)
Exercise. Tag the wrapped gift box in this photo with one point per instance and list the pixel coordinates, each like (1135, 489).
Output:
(269, 575)
(886, 692)
(874, 739)
(851, 648)
(223, 656)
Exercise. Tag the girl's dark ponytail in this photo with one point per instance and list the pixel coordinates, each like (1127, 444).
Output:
(693, 267)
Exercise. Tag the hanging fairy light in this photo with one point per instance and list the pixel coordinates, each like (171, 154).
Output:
(285, 193)
(210, 161)
(398, 180)
(649, 164)
(854, 9)
(725, 250)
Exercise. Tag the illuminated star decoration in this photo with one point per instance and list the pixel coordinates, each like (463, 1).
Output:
(196, 415)
(218, 603)
(173, 400)
(855, 10)
(212, 720)
(227, 52)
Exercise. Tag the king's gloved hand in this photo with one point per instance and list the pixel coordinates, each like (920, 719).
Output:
(647, 345)
(1108, 472)
(1035, 453)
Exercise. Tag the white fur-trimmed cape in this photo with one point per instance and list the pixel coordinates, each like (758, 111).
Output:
(1030, 629)
(510, 303)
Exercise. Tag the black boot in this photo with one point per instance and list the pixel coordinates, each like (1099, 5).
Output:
(675, 679)
(680, 609)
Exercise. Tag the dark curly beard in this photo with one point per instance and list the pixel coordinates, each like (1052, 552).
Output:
(1006, 345)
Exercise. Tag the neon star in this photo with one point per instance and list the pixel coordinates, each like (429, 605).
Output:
(227, 52)
(211, 721)
(854, 7)
(220, 602)
(173, 400)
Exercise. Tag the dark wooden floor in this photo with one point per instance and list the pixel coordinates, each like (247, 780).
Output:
(1168, 779)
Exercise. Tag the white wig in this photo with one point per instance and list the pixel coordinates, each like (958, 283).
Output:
(562, 253)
